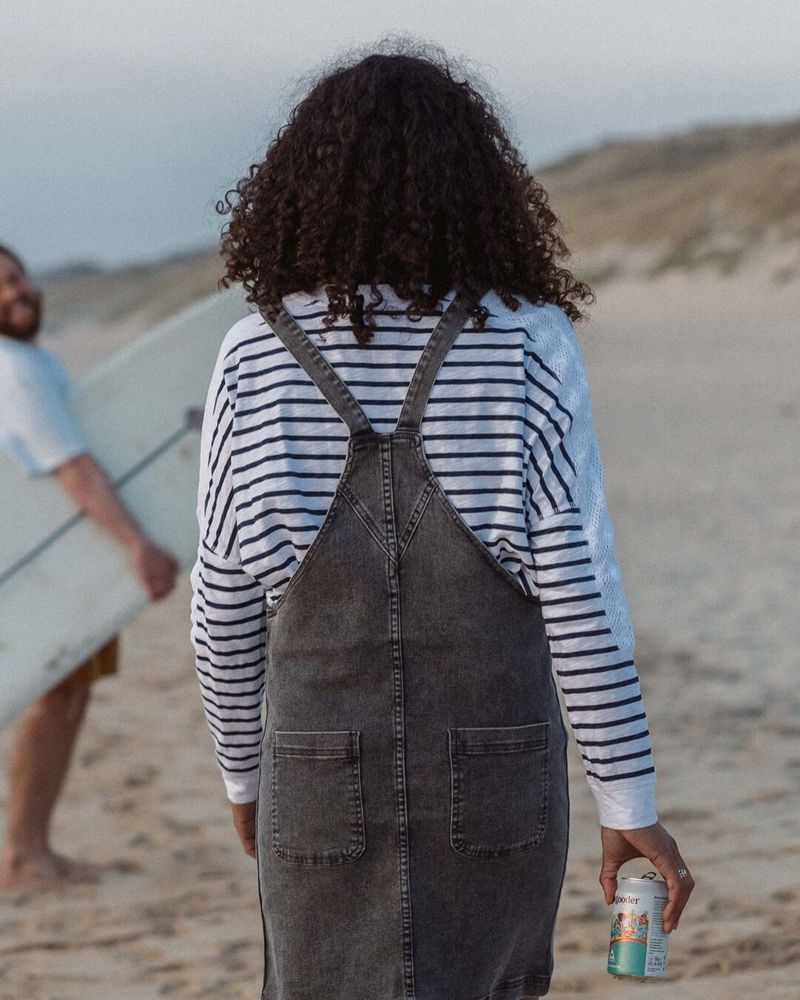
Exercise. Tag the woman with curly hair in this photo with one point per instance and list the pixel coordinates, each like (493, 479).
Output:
(402, 529)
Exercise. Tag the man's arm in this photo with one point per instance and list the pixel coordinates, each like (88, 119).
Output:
(41, 434)
(89, 486)
(87, 483)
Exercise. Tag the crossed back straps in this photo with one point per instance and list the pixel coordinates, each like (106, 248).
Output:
(339, 395)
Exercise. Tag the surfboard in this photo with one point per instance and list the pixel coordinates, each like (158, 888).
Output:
(66, 584)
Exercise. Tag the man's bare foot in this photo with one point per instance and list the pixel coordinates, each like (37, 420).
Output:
(80, 871)
(46, 868)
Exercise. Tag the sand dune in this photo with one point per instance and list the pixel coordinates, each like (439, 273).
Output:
(714, 197)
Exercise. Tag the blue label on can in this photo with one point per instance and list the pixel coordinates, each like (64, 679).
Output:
(627, 954)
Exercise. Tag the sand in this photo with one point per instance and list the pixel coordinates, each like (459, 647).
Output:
(694, 388)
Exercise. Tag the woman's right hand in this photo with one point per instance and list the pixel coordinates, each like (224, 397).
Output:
(661, 850)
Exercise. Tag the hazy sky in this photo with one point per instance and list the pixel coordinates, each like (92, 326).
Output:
(121, 124)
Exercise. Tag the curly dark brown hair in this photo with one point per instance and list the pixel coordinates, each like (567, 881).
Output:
(394, 170)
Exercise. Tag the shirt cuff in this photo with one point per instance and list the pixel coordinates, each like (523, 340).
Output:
(626, 806)
(241, 788)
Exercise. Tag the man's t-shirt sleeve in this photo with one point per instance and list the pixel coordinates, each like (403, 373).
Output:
(36, 426)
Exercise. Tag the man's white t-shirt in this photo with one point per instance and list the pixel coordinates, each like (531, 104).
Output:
(36, 426)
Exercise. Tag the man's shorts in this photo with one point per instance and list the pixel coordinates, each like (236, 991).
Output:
(102, 662)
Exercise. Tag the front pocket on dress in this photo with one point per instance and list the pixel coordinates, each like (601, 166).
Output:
(317, 808)
(499, 788)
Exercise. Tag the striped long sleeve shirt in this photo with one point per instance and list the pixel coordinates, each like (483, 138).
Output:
(508, 432)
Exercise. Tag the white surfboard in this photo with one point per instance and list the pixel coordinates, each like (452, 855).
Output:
(66, 584)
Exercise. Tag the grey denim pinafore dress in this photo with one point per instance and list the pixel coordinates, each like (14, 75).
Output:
(412, 819)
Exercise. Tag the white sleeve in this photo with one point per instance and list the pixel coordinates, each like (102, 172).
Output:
(583, 603)
(38, 428)
(228, 609)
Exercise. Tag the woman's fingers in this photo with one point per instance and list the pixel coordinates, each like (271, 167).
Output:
(608, 878)
(680, 883)
(661, 849)
(248, 842)
(617, 849)
(244, 821)
(679, 887)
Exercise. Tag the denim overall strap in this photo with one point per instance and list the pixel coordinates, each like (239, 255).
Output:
(433, 354)
(320, 371)
(311, 359)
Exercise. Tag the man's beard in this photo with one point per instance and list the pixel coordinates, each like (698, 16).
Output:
(28, 330)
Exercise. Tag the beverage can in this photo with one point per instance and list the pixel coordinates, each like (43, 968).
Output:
(638, 948)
